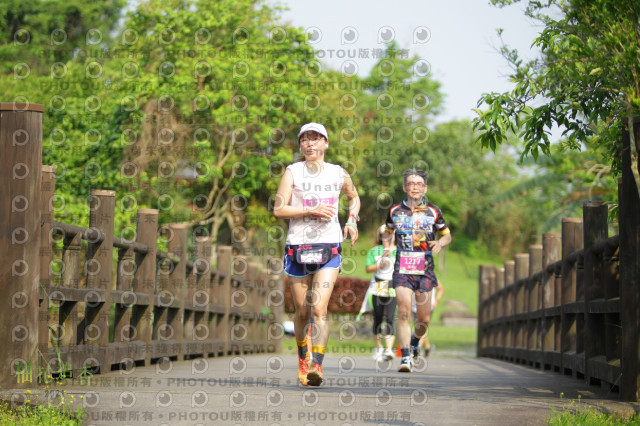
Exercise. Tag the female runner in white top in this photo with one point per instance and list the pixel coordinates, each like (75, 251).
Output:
(308, 196)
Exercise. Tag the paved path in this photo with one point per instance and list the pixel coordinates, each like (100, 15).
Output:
(263, 390)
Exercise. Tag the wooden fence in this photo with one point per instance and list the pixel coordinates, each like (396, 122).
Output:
(83, 300)
(572, 304)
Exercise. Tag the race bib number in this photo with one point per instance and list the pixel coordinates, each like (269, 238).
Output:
(312, 256)
(313, 253)
(412, 262)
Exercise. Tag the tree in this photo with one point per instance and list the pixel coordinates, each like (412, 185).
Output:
(217, 85)
(562, 184)
(186, 109)
(35, 34)
(466, 184)
(587, 81)
(382, 127)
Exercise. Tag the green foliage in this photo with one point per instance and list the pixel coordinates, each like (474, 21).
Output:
(192, 107)
(213, 78)
(560, 185)
(580, 413)
(32, 414)
(36, 34)
(456, 340)
(182, 111)
(394, 110)
(586, 81)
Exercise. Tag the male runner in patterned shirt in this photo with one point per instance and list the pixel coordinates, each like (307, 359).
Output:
(414, 223)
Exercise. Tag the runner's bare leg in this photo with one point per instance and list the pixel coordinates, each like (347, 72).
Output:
(323, 282)
(423, 313)
(299, 289)
(403, 328)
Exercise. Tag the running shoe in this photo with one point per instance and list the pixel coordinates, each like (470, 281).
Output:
(303, 369)
(377, 353)
(315, 376)
(406, 366)
(388, 354)
(415, 353)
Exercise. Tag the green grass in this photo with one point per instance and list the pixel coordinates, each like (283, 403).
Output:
(28, 414)
(461, 339)
(447, 339)
(354, 258)
(578, 413)
(459, 277)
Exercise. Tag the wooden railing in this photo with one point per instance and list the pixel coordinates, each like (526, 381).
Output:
(572, 304)
(559, 306)
(87, 301)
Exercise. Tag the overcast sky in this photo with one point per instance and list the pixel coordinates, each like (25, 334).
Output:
(456, 37)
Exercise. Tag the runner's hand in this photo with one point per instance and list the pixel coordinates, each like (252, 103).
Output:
(323, 210)
(352, 231)
(435, 247)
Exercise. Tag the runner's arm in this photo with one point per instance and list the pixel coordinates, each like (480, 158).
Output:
(378, 265)
(282, 209)
(437, 245)
(351, 192)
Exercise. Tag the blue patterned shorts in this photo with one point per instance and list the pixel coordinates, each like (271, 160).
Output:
(419, 283)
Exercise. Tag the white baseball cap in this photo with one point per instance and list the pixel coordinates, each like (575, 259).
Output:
(313, 127)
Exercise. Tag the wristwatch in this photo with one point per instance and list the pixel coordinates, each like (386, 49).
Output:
(355, 216)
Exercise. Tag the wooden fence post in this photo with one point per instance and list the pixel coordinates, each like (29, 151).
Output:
(492, 300)
(201, 297)
(264, 315)
(521, 273)
(571, 242)
(629, 270)
(20, 181)
(534, 327)
(47, 191)
(490, 310)
(67, 333)
(238, 330)
(275, 303)
(122, 329)
(483, 290)
(99, 273)
(509, 277)
(177, 246)
(500, 304)
(144, 279)
(535, 266)
(551, 252)
(595, 229)
(251, 317)
(224, 267)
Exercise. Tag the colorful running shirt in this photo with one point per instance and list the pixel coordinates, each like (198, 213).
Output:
(309, 189)
(412, 231)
